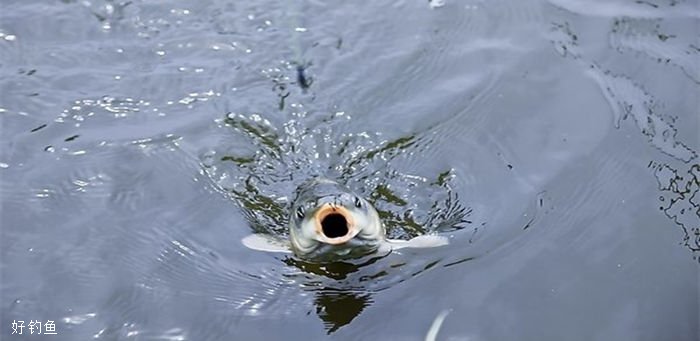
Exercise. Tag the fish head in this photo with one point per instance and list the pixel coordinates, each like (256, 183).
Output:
(329, 221)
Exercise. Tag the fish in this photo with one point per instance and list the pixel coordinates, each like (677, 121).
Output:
(328, 222)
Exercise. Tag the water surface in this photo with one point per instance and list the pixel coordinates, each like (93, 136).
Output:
(554, 142)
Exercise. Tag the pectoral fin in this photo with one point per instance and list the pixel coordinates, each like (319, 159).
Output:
(428, 240)
(267, 243)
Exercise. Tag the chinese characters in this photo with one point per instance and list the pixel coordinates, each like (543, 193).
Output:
(33, 327)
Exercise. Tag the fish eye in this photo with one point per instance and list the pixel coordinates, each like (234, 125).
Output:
(300, 212)
(358, 202)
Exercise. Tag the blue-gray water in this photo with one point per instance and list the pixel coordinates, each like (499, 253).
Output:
(555, 142)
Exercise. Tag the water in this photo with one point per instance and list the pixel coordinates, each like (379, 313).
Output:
(555, 142)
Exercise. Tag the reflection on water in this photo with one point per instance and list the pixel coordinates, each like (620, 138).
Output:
(342, 290)
(334, 270)
(337, 308)
(627, 98)
(335, 304)
(680, 200)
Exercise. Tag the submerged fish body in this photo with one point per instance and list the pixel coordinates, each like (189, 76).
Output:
(328, 221)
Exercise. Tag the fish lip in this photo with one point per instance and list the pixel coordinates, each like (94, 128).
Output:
(328, 209)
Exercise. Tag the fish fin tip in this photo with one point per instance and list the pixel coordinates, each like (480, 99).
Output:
(424, 241)
(266, 243)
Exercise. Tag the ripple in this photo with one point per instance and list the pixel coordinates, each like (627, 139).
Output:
(629, 99)
(262, 182)
(78, 319)
(644, 30)
(182, 268)
(637, 9)
(647, 36)
(140, 142)
(680, 201)
(260, 177)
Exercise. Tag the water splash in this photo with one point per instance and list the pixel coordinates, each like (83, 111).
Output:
(261, 176)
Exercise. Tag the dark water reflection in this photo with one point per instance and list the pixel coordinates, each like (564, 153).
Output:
(338, 308)
(338, 305)
(554, 142)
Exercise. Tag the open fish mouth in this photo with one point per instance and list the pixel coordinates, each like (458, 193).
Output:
(334, 224)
